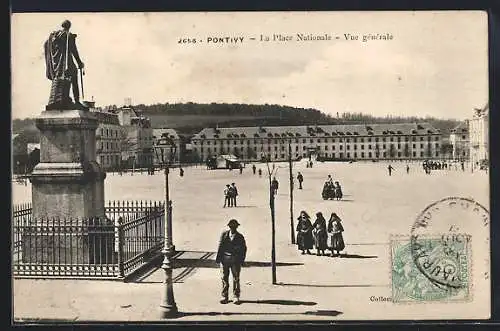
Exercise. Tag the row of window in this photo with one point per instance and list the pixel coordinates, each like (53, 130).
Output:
(326, 148)
(112, 133)
(108, 132)
(318, 140)
(361, 155)
(110, 145)
(109, 160)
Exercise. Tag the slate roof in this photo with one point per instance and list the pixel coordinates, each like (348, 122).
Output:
(317, 131)
(157, 133)
(463, 127)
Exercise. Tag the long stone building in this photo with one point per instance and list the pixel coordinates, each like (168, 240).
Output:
(400, 141)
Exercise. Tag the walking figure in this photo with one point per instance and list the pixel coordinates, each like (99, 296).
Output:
(335, 230)
(181, 172)
(241, 168)
(260, 172)
(407, 169)
(304, 233)
(300, 178)
(338, 191)
(254, 168)
(390, 169)
(227, 196)
(274, 186)
(320, 234)
(233, 194)
(231, 255)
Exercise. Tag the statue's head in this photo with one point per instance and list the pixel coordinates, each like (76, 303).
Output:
(66, 25)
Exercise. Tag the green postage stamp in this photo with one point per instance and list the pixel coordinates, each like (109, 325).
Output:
(428, 269)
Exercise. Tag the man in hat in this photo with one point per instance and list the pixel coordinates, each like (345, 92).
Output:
(227, 196)
(234, 194)
(60, 49)
(231, 255)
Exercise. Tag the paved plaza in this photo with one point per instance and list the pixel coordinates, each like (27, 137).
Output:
(375, 206)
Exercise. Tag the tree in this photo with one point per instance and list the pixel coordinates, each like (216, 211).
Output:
(447, 150)
(429, 150)
(406, 151)
(127, 146)
(392, 151)
(271, 172)
(251, 153)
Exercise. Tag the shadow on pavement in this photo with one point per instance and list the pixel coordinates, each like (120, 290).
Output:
(355, 256)
(331, 313)
(243, 206)
(339, 285)
(281, 302)
(205, 260)
(199, 263)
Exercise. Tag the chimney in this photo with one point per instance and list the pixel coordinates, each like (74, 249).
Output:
(128, 102)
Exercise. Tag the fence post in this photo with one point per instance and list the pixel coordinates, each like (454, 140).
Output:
(121, 239)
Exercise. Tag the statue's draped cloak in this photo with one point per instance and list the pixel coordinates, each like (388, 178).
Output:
(55, 54)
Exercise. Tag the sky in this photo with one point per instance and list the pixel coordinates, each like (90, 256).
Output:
(435, 65)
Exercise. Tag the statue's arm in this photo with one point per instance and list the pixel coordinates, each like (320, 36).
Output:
(74, 51)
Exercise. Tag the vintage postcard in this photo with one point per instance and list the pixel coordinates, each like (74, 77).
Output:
(250, 166)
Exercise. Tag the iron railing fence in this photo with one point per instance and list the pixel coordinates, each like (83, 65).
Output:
(129, 237)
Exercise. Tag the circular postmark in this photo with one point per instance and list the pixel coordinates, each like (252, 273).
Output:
(441, 237)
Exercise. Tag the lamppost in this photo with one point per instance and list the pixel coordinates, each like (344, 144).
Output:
(292, 231)
(271, 173)
(168, 306)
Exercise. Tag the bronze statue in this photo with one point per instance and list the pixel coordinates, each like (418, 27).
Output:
(60, 49)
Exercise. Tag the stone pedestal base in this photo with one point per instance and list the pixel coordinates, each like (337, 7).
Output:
(68, 182)
(68, 223)
(67, 191)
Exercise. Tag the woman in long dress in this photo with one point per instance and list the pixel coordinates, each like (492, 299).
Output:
(335, 230)
(304, 233)
(320, 235)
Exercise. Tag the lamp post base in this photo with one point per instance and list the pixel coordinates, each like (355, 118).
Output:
(168, 307)
(168, 311)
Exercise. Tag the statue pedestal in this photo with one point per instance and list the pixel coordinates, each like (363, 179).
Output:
(67, 188)
(68, 182)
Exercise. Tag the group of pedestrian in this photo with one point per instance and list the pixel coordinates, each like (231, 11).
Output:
(331, 190)
(230, 195)
(254, 170)
(320, 234)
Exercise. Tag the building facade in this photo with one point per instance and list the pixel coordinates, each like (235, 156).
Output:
(108, 140)
(166, 146)
(459, 140)
(403, 141)
(137, 138)
(479, 136)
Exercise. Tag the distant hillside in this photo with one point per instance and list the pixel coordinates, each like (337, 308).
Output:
(190, 118)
